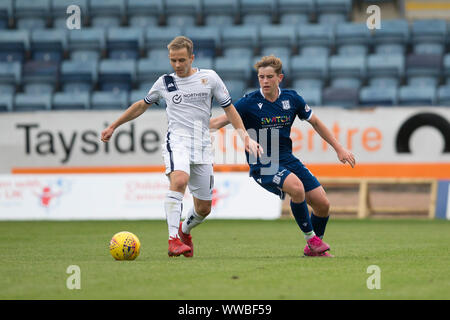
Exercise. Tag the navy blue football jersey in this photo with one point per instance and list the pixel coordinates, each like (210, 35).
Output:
(270, 123)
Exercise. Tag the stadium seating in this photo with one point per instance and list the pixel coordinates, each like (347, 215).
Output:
(428, 36)
(71, 101)
(376, 96)
(352, 39)
(220, 13)
(206, 40)
(344, 97)
(106, 13)
(257, 12)
(109, 100)
(144, 13)
(78, 76)
(392, 37)
(309, 71)
(182, 13)
(32, 102)
(122, 48)
(31, 15)
(125, 43)
(315, 39)
(416, 96)
(116, 75)
(295, 12)
(238, 41)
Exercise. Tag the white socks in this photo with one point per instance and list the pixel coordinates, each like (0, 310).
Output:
(193, 219)
(173, 205)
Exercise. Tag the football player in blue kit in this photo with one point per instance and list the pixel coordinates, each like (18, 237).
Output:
(268, 115)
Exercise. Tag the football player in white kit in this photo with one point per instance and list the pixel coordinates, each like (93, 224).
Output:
(187, 151)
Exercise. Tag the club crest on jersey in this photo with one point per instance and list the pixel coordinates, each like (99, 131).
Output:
(286, 104)
(204, 81)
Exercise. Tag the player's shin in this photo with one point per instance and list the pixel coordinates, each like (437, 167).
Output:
(319, 224)
(173, 205)
(301, 215)
(192, 220)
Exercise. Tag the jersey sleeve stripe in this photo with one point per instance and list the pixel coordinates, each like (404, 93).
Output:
(225, 103)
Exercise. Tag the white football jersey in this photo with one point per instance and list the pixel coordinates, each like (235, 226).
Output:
(188, 106)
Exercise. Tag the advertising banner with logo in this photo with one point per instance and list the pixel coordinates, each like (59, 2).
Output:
(392, 141)
(124, 196)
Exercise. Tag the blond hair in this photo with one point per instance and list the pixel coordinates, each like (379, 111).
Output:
(181, 42)
(270, 61)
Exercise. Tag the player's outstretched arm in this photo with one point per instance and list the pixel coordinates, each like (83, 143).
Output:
(133, 111)
(344, 155)
(218, 122)
(235, 119)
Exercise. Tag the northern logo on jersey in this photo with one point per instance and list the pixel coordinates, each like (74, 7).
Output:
(286, 104)
(260, 105)
(176, 99)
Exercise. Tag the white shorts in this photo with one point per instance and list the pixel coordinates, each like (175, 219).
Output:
(201, 175)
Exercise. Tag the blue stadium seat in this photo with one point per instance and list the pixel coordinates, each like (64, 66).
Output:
(443, 96)
(206, 40)
(257, 12)
(423, 69)
(78, 76)
(295, 12)
(107, 13)
(376, 96)
(315, 39)
(144, 13)
(280, 39)
(32, 102)
(312, 96)
(71, 101)
(220, 13)
(352, 39)
(342, 97)
(124, 43)
(14, 45)
(416, 96)
(6, 13)
(428, 36)
(347, 71)
(333, 11)
(49, 45)
(239, 41)
(385, 70)
(7, 88)
(230, 68)
(42, 72)
(157, 38)
(446, 68)
(87, 44)
(182, 13)
(11, 73)
(59, 12)
(309, 71)
(392, 37)
(203, 63)
(38, 88)
(109, 100)
(149, 70)
(236, 88)
(116, 75)
(32, 15)
(6, 102)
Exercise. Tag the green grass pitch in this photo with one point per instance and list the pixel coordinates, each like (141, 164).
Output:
(234, 260)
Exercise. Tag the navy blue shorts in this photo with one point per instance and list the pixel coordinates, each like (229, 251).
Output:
(274, 182)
